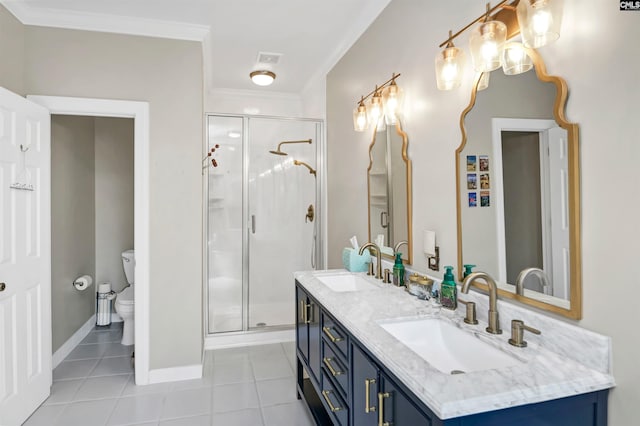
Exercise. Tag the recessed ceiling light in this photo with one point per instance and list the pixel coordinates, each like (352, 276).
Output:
(234, 134)
(262, 77)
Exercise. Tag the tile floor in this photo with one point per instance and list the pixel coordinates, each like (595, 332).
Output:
(94, 386)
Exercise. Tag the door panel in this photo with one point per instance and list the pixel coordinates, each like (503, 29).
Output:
(25, 257)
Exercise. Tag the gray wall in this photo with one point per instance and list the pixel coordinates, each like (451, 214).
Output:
(600, 66)
(168, 75)
(11, 52)
(72, 223)
(114, 197)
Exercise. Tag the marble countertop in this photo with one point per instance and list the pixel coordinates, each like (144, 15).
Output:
(545, 373)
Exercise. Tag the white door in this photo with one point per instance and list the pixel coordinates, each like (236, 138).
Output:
(25, 257)
(559, 210)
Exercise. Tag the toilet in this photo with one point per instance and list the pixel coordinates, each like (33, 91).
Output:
(124, 300)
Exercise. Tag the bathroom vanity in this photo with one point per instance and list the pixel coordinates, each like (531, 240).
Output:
(363, 360)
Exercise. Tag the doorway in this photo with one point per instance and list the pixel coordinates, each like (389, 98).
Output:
(139, 112)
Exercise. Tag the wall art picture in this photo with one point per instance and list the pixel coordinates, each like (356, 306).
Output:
(473, 199)
(472, 160)
(484, 163)
(472, 181)
(485, 199)
(484, 181)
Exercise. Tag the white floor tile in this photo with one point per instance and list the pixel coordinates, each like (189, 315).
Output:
(235, 397)
(277, 391)
(186, 403)
(112, 366)
(137, 409)
(102, 387)
(271, 367)
(203, 382)
(266, 351)
(237, 371)
(74, 369)
(231, 354)
(63, 391)
(194, 421)
(83, 413)
(131, 389)
(294, 413)
(251, 417)
(45, 415)
(92, 351)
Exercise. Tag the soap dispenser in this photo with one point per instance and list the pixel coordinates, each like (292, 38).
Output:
(398, 271)
(448, 290)
(468, 270)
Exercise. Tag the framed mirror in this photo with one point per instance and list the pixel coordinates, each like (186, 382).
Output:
(389, 191)
(518, 189)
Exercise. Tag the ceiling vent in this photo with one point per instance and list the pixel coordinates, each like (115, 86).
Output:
(268, 58)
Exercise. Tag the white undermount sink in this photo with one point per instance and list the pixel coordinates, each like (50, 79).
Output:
(345, 281)
(446, 347)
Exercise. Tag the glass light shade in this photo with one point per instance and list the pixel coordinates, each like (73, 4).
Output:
(360, 118)
(262, 77)
(375, 109)
(486, 45)
(392, 101)
(540, 21)
(449, 68)
(484, 81)
(515, 60)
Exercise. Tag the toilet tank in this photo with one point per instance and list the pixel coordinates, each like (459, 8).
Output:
(129, 263)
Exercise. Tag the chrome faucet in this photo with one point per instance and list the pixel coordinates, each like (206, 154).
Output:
(494, 320)
(542, 276)
(378, 258)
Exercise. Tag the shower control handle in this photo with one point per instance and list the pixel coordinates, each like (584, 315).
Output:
(253, 223)
(384, 219)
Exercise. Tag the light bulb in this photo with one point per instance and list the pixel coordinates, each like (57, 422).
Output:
(449, 66)
(375, 109)
(541, 21)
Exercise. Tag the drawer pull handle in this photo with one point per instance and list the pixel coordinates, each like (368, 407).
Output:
(325, 394)
(381, 397)
(304, 308)
(367, 395)
(334, 372)
(330, 335)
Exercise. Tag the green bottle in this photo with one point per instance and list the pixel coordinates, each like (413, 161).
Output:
(468, 270)
(398, 271)
(448, 290)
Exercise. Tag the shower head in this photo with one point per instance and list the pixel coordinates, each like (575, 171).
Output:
(279, 152)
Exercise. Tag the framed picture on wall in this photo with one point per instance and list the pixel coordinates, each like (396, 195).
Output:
(484, 181)
(484, 163)
(472, 181)
(485, 199)
(473, 199)
(472, 161)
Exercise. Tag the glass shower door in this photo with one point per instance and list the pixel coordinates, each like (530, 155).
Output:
(225, 224)
(282, 187)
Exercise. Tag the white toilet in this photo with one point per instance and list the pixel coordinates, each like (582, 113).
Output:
(124, 300)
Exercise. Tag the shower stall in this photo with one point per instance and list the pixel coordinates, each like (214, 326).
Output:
(263, 210)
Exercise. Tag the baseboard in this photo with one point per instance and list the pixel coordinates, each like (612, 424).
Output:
(73, 341)
(174, 374)
(248, 339)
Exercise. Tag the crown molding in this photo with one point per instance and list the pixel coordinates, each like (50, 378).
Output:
(47, 17)
(252, 94)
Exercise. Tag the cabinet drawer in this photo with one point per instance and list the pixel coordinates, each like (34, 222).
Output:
(335, 367)
(334, 333)
(333, 402)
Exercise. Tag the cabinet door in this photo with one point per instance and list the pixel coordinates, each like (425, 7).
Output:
(397, 408)
(302, 333)
(364, 400)
(313, 321)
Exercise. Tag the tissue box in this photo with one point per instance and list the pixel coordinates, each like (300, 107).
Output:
(354, 262)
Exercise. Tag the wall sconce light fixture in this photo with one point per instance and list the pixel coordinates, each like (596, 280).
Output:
(538, 22)
(384, 108)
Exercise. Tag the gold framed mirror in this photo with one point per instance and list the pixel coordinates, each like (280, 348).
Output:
(389, 190)
(518, 189)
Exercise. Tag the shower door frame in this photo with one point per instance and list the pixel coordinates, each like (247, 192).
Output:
(246, 218)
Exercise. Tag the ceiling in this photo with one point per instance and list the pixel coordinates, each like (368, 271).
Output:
(310, 35)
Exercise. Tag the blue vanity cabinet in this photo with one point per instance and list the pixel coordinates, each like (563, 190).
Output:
(308, 332)
(377, 399)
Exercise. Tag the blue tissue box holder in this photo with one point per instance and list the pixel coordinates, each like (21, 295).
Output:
(354, 262)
